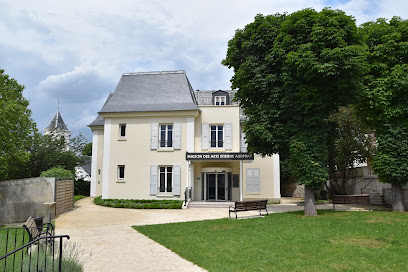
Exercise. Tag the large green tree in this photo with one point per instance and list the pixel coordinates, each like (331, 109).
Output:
(16, 127)
(292, 71)
(385, 100)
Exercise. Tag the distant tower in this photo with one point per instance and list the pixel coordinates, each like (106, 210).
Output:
(57, 126)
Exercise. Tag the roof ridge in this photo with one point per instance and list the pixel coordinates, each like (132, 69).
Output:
(155, 73)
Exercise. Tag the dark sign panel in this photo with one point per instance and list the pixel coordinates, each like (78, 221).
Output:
(219, 156)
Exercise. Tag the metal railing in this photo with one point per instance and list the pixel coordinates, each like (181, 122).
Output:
(361, 189)
(23, 254)
(187, 195)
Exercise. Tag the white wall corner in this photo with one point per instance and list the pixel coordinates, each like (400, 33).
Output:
(276, 176)
(190, 134)
(94, 171)
(241, 181)
(106, 157)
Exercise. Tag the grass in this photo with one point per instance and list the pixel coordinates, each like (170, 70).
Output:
(332, 241)
(139, 204)
(78, 197)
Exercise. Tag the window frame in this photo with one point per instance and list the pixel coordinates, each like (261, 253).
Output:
(119, 178)
(120, 131)
(166, 175)
(220, 99)
(166, 136)
(217, 140)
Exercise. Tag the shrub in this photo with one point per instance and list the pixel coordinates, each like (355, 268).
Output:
(139, 203)
(57, 172)
(82, 187)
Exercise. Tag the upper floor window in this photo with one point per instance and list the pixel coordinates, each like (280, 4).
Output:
(217, 136)
(166, 135)
(122, 130)
(220, 100)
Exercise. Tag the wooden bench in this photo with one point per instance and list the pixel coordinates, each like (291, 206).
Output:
(35, 231)
(363, 199)
(241, 206)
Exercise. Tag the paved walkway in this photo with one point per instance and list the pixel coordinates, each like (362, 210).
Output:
(106, 233)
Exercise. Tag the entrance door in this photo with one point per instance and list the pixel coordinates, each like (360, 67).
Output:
(221, 186)
(216, 186)
(212, 187)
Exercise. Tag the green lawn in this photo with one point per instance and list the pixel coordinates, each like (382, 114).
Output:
(332, 241)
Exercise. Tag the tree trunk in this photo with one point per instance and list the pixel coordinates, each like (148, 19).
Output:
(310, 204)
(397, 198)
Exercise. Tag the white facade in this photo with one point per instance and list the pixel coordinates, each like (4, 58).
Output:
(158, 154)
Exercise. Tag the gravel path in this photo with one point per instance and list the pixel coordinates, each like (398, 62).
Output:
(116, 246)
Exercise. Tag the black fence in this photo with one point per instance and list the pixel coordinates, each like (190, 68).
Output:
(21, 252)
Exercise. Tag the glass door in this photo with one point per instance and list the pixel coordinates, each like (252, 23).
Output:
(220, 186)
(215, 186)
(211, 186)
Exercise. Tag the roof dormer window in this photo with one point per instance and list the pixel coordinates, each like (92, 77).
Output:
(220, 100)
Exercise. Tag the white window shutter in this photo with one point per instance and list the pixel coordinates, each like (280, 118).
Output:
(244, 145)
(153, 179)
(253, 180)
(154, 140)
(176, 179)
(228, 135)
(204, 136)
(177, 135)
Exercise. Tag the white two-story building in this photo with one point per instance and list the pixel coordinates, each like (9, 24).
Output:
(155, 136)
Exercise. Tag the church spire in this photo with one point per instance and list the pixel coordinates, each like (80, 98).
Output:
(57, 123)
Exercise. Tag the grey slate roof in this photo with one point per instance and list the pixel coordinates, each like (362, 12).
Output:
(57, 123)
(100, 121)
(152, 91)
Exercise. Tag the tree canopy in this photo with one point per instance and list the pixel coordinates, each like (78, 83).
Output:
(16, 127)
(48, 151)
(292, 71)
(384, 102)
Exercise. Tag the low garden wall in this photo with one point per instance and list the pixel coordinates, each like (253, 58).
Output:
(22, 198)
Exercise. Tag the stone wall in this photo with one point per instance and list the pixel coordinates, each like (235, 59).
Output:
(387, 195)
(299, 191)
(22, 198)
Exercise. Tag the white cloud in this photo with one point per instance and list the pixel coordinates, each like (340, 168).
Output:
(77, 50)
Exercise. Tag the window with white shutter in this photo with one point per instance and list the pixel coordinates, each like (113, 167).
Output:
(204, 136)
(253, 180)
(154, 139)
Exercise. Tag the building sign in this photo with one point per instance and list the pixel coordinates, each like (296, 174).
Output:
(219, 156)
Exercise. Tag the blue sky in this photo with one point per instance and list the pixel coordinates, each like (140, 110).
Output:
(77, 50)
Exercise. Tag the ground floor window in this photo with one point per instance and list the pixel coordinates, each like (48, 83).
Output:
(165, 179)
(121, 172)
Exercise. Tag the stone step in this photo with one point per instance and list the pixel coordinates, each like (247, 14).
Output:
(209, 205)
